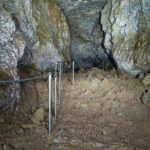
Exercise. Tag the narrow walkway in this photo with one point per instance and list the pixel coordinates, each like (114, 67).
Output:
(102, 111)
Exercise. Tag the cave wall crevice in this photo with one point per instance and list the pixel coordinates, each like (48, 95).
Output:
(86, 35)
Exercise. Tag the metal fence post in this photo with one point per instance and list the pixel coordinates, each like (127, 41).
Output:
(73, 72)
(56, 69)
(55, 97)
(60, 69)
(49, 93)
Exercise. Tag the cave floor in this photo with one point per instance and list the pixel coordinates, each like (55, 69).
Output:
(101, 111)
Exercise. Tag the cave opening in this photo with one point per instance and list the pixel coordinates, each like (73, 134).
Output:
(104, 104)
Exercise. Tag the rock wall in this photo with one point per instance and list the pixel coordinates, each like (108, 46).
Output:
(126, 24)
(34, 34)
(44, 27)
(83, 17)
(52, 32)
(12, 44)
(121, 29)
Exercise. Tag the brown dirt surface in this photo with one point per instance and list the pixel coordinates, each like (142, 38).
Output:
(101, 111)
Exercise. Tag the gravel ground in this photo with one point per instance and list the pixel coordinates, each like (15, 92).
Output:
(101, 111)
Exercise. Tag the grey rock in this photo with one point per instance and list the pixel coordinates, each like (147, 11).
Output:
(146, 98)
(56, 141)
(8, 147)
(99, 145)
(120, 114)
(127, 28)
(38, 116)
(2, 120)
(59, 140)
(24, 33)
(52, 33)
(9, 56)
(7, 26)
(146, 80)
(45, 30)
(41, 32)
(115, 104)
(22, 15)
(86, 35)
(12, 45)
(20, 131)
(141, 76)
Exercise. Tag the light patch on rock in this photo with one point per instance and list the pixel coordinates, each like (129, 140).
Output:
(46, 57)
(7, 26)
(10, 53)
(38, 116)
(146, 80)
(146, 98)
(126, 27)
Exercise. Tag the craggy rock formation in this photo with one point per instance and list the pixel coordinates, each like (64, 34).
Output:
(45, 28)
(34, 34)
(52, 32)
(121, 29)
(12, 44)
(83, 17)
(126, 24)
(31, 33)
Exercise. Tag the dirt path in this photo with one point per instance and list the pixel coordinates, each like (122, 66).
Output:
(100, 112)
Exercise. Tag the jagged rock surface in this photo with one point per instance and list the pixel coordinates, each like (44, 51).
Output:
(12, 45)
(45, 30)
(86, 35)
(53, 34)
(31, 32)
(21, 12)
(36, 34)
(126, 25)
(146, 98)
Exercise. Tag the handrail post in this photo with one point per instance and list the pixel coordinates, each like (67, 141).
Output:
(73, 72)
(56, 69)
(60, 70)
(55, 97)
(49, 93)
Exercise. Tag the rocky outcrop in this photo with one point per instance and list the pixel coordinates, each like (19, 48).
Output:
(125, 33)
(86, 35)
(126, 25)
(121, 30)
(31, 32)
(34, 34)
(21, 12)
(52, 32)
(45, 30)
(12, 45)
(146, 98)
(146, 80)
